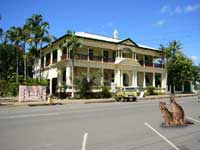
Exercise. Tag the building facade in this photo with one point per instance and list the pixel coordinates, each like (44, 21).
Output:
(122, 62)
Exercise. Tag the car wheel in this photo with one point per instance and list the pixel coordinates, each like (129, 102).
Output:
(134, 99)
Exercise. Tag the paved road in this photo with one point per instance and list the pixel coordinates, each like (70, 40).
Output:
(111, 126)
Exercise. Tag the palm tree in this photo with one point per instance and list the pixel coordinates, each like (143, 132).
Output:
(39, 35)
(14, 35)
(25, 39)
(1, 31)
(174, 47)
(170, 54)
(43, 36)
(72, 43)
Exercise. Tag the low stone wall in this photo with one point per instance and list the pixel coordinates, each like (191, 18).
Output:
(32, 93)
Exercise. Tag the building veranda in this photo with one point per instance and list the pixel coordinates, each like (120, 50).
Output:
(122, 62)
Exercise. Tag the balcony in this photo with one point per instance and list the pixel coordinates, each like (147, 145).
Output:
(109, 60)
(141, 62)
(81, 56)
(96, 58)
(47, 63)
(85, 57)
(64, 56)
(156, 65)
(149, 64)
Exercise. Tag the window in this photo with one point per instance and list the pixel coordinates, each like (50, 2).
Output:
(42, 62)
(64, 76)
(64, 51)
(113, 55)
(90, 54)
(55, 56)
(105, 55)
(47, 59)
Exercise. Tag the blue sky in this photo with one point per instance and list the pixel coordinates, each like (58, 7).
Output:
(147, 22)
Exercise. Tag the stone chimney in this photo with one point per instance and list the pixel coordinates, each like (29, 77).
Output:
(115, 33)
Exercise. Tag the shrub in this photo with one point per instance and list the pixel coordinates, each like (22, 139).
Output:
(105, 92)
(85, 83)
(150, 90)
(3, 88)
(13, 89)
(32, 82)
(8, 88)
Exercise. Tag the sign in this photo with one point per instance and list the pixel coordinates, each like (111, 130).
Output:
(32, 93)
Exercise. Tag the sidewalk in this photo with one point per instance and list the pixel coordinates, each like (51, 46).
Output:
(13, 101)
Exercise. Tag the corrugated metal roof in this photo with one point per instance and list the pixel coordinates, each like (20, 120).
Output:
(108, 39)
(98, 37)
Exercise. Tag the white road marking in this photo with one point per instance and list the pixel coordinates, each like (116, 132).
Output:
(193, 119)
(164, 138)
(28, 115)
(84, 141)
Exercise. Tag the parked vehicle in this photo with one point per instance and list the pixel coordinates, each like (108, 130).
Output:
(127, 94)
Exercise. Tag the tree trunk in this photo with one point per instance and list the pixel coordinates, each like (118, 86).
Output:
(72, 76)
(17, 66)
(24, 61)
(24, 68)
(40, 61)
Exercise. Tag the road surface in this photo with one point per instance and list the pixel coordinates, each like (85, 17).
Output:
(108, 126)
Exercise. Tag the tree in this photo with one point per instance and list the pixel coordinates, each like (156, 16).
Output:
(1, 30)
(86, 81)
(39, 35)
(14, 35)
(179, 67)
(72, 44)
(7, 63)
(170, 51)
(196, 72)
(1, 33)
(25, 40)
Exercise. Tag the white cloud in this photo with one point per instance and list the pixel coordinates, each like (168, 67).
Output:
(194, 58)
(180, 9)
(191, 8)
(159, 23)
(165, 9)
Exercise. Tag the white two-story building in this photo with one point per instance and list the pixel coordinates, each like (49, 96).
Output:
(121, 61)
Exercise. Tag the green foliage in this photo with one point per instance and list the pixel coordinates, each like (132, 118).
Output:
(7, 62)
(17, 41)
(150, 90)
(13, 89)
(85, 82)
(179, 67)
(196, 72)
(8, 88)
(35, 82)
(3, 88)
(106, 92)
